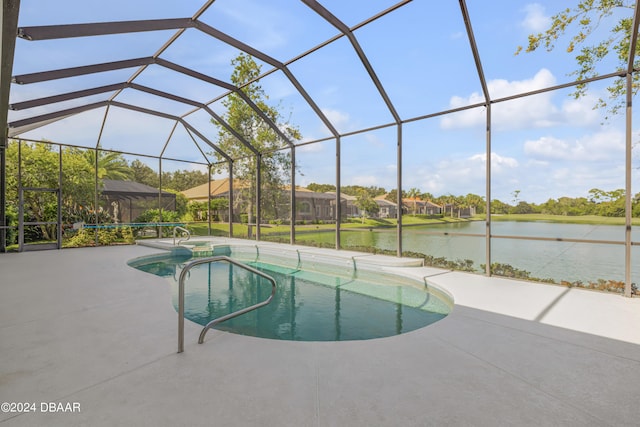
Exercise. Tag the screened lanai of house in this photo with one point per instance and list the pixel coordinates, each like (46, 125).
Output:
(399, 95)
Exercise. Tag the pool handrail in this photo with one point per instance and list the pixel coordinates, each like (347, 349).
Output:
(183, 230)
(183, 275)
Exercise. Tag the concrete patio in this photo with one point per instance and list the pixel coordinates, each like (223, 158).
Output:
(79, 326)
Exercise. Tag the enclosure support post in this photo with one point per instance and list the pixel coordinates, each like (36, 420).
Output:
(399, 191)
(230, 198)
(628, 193)
(96, 193)
(159, 232)
(97, 184)
(293, 196)
(209, 200)
(258, 194)
(488, 194)
(629, 152)
(59, 201)
(8, 29)
(338, 205)
(487, 97)
(20, 201)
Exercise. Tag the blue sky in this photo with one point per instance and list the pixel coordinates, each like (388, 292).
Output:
(546, 146)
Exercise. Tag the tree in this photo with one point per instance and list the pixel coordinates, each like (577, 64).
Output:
(354, 190)
(110, 165)
(392, 195)
(40, 164)
(499, 207)
(276, 165)
(426, 196)
(181, 180)
(321, 188)
(515, 194)
(448, 200)
(413, 194)
(582, 20)
(366, 204)
(144, 174)
(521, 208)
(476, 201)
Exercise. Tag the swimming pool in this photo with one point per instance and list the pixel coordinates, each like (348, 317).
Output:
(318, 298)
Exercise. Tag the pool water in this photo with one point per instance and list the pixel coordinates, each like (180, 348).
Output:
(307, 306)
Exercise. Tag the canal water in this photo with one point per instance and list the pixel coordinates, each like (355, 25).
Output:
(587, 262)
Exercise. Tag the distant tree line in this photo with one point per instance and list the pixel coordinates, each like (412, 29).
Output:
(598, 202)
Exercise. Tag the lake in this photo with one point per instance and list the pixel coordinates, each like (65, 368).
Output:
(542, 259)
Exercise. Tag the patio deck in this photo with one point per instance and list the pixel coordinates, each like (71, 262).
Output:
(80, 326)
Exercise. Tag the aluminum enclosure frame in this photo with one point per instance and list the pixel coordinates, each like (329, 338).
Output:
(180, 25)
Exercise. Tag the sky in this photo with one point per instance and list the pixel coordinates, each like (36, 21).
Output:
(544, 146)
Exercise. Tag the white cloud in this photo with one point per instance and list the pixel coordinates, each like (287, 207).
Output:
(498, 162)
(266, 32)
(337, 118)
(601, 146)
(374, 141)
(535, 20)
(311, 148)
(461, 175)
(536, 111)
(546, 148)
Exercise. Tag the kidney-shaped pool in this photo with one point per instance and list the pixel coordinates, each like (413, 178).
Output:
(314, 301)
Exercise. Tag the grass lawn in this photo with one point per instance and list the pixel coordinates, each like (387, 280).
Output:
(239, 230)
(222, 229)
(583, 219)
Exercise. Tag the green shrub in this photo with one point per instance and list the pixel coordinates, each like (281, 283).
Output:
(153, 215)
(127, 234)
(11, 215)
(81, 238)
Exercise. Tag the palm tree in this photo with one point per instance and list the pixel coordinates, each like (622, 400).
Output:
(413, 194)
(447, 199)
(110, 165)
(475, 201)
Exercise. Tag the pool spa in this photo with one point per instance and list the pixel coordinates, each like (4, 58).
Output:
(319, 297)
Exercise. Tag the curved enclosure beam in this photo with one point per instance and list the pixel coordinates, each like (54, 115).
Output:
(56, 115)
(343, 28)
(65, 97)
(202, 137)
(50, 32)
(77, 110)
(274, 63)
(107, 28)
(64, 73)
(110, 66)
(120, 86)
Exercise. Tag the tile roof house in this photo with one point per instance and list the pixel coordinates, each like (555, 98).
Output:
(388, 209)
(421, 207)
(310, 205)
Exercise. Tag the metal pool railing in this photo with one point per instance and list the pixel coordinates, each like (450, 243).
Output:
(184, 232)
(183, 275)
